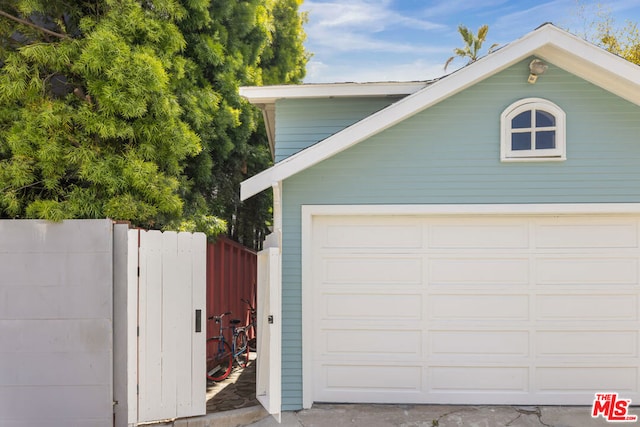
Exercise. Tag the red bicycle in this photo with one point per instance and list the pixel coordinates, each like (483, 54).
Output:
(219, 366)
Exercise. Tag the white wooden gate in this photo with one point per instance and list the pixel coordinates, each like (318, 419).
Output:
(268, 368)
(171, 286)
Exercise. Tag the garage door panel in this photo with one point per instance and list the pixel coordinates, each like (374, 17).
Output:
(478, 271)
(478, 343)
(584, 344)
(594, 307)
(373, 377)
(587, 270)
(495, 235)
(373, 236)
(479, 307)
(381, 343)
(371, 306)
(576, 379)
(481, 379)
(373, 270)
(605, 235)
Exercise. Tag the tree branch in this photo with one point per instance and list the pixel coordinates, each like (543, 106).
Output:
(31, 24)
(33, 184)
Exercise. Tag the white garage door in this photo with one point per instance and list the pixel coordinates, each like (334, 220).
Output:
(484, 309)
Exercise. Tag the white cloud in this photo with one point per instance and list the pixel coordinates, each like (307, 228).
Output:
(364, 15)
(418, 70)
(514, 25)
(354, 26)
(316, 70)
(447, 8)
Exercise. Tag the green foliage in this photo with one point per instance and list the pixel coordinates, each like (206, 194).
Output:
(284, 59)
(600, 28)
(232, 44)
(473, 44)
(94, 129)
(210, 225)
(129, 109)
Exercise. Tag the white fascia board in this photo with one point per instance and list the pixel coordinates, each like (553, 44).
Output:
(269, 117)
(574, 49)
(474, 209)
(546, 39)
(593, 64)
(269, 94)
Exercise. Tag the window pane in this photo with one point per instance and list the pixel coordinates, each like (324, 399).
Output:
(544, 119)
(545, 140)
(522, 120)
(521, 141)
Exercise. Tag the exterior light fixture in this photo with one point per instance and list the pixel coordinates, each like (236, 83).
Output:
(536, 68)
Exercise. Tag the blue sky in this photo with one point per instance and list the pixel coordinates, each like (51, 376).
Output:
(398, 40)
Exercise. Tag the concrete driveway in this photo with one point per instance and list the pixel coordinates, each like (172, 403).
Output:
(339, 415)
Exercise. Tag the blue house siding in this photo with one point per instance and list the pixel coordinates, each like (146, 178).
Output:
(303, 122)
(449, 154)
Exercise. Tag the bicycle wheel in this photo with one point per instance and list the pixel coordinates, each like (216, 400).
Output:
(242, 349)
(219, 367)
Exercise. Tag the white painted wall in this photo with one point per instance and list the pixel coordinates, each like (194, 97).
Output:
(56, 323)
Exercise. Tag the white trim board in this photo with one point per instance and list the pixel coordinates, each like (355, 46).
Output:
(308, 212)
(475, 209)
(259, 95)
(548, 42)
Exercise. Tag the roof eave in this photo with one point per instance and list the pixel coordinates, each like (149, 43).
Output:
(262, 95)
(265, 97)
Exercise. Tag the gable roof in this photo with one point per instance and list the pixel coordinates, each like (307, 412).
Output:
(547, 42)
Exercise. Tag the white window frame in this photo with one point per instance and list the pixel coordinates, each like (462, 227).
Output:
(559, 153)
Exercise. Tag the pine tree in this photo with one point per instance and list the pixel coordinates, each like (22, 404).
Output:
(231, 44)
(129, 109)
(89, 125)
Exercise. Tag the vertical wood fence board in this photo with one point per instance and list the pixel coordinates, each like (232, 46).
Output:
(198, 298)
(262, 366)
(150, 367)
(169, 326)
(133, 242)
(184, 327)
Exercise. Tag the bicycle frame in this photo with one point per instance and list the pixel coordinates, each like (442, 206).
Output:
(253, 324)
(226, 353)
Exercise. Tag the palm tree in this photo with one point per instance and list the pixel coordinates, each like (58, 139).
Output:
(473, 44)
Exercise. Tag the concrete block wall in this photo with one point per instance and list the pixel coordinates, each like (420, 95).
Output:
(56, 323)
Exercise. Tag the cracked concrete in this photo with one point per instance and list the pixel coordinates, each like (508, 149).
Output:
(338, 415)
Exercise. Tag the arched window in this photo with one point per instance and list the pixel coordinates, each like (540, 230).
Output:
(533, 129)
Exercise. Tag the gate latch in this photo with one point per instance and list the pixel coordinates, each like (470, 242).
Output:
(270, 319)
(198, 320)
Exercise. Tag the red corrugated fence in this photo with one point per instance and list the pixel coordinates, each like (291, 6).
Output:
(231, 276)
